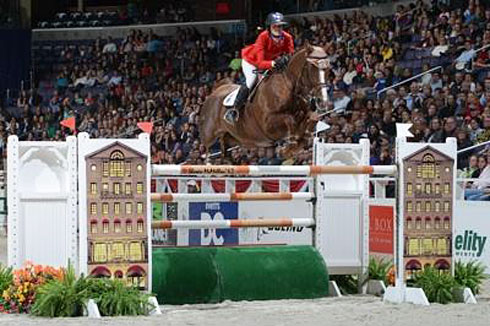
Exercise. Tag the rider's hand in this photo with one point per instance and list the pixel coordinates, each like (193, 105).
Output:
(273, 63)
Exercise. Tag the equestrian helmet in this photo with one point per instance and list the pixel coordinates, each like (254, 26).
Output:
(275, 18)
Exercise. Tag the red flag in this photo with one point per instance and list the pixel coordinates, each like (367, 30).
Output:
(69, 123)
(145, 126)
(223, 8)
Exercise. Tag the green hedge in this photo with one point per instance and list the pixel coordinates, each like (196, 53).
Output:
(214, 274)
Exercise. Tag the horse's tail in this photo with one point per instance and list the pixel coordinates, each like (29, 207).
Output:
(222, 82)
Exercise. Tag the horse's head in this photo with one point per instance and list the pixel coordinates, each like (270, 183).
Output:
(309, 68)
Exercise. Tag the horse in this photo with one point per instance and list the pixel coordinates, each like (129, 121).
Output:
(282, 108)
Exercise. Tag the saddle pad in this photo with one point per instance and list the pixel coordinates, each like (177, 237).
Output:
(230, 98)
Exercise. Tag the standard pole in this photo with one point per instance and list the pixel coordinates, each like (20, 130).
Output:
(233, 197)
(271, 169)
(228, 224)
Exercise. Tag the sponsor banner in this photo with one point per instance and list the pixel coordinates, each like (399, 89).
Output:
(211, 212)
(276, 235)
(234, 210)
(381, 222)
(471, 232)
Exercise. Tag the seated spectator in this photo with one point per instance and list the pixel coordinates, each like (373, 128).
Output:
(471, 170)
(480, 189)
(449, 130)
(466, 56)
(110, 46)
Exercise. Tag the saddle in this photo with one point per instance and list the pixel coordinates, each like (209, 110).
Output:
(229, 99)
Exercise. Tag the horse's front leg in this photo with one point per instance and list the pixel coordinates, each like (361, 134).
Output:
(282, 127)
(222, 144)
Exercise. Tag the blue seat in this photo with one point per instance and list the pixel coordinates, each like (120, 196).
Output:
(61, 16)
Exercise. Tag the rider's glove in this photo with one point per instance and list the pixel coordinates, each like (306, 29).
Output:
(281, 62)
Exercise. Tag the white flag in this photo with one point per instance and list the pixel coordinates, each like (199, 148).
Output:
(402, 130)
(321, 126)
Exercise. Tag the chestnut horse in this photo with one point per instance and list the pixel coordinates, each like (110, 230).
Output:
(280, 109)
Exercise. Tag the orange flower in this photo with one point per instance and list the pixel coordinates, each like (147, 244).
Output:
(391, 275)
(26, 281)
(38, 269)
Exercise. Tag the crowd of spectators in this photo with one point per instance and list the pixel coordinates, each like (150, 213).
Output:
(134, 13)
(110, 85)
(178, 11)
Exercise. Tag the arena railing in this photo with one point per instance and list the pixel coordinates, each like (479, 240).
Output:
(471, 148)
(408, 80)
(477, 51)
(237, 27)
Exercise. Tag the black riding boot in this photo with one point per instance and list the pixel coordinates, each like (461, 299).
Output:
(232, 114)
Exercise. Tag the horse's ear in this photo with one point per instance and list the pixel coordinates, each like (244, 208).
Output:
(308, 47)
(328, 46)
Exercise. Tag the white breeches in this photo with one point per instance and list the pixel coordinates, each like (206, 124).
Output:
(250, 74)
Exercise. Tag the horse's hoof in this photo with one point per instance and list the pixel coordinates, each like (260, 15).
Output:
(289, 149)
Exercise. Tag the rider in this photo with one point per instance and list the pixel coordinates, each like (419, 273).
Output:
(266, 53)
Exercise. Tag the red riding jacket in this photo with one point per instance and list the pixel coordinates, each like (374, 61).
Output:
(265, 49)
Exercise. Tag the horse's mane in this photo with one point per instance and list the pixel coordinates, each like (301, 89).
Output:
(297, 61)
(224, 81)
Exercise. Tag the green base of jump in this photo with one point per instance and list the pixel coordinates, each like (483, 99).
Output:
(215, 274)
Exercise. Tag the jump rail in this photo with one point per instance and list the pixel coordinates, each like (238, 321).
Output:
(271, 169)
(227, 224)
(231, 197)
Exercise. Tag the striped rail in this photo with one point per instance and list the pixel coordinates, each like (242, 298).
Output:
(271, 169)
(231, 197)
(227, 224)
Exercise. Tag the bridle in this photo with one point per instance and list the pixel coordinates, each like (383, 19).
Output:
(311, 99)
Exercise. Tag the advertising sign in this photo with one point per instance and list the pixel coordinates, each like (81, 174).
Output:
(275, 235)
(212, 212)
(472, 229)
(381, 229)
(234, 210)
